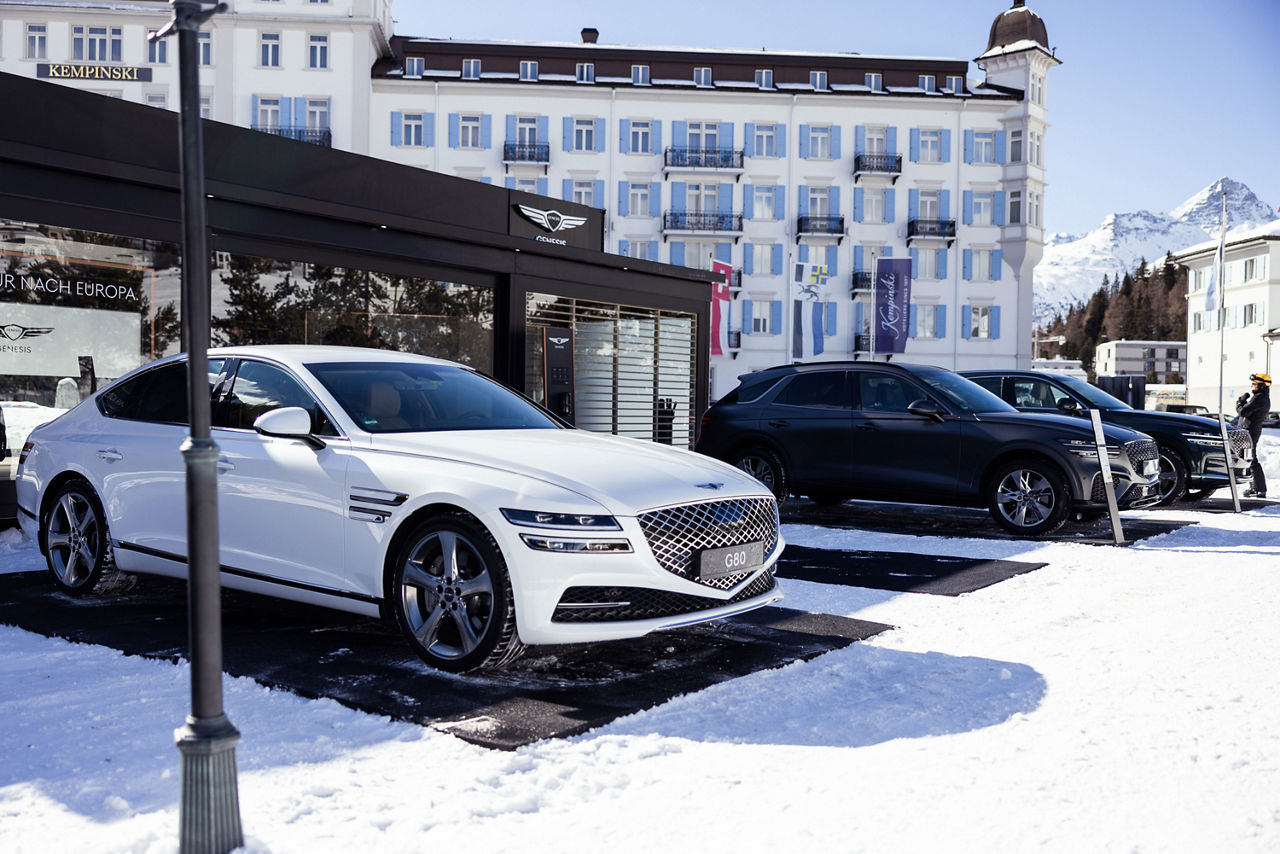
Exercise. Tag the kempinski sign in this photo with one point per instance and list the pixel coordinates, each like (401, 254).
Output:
(73, 71)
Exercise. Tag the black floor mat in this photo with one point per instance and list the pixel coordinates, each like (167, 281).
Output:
(907, 573)
(314, 652)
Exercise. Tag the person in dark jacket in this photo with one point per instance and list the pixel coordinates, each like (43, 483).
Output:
(1251, 410)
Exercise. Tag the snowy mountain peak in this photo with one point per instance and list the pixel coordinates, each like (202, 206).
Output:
(1205, 207)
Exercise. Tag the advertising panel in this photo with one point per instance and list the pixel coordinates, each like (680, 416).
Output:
(46, 340)
(889, 326)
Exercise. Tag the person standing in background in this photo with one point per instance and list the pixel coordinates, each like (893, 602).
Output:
(1251, 410)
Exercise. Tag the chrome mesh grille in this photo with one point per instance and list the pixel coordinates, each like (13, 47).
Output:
(677, 534)
(1139, 451)
(1240, 442)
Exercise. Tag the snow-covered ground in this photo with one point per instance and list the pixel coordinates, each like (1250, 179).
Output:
(1118, 699)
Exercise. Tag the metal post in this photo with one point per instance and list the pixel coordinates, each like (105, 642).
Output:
(209, 809)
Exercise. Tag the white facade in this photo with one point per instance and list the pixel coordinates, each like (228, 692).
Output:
(1247, 329)
(1127, 358)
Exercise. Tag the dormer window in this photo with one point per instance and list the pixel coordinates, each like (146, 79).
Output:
(926, 82)
(818, 80)
(875, 82)
(528, 70)
(586, 72)
(470, 69)
(955, 84)
(639, 75)
(413, 66)
(764, 78)
(702, 77)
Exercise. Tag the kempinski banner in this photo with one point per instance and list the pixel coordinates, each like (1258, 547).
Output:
(87, 71)
(889, 325)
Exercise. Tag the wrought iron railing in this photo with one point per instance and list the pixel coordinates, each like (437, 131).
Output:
(820, 225)
(863, 280)
(931, 228)
(704, 158)
(735, 339)
(315, 136)
(684, 221)
(526, 152)
(887, 163)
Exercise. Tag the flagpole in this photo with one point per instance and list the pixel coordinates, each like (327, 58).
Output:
(1219, 300)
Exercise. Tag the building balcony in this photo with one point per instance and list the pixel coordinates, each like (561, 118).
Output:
(714, 159)
(315, 136)
(526, 153)
(708, 223)
(931, 229)
(863, 281)
(735, 339)
(877, 164)
(830, 225)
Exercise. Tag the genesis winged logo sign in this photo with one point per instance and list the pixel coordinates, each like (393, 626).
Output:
(14, 332)
(550, 220)
(558, 340)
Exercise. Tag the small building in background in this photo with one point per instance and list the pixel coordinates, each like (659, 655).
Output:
(1166, 359)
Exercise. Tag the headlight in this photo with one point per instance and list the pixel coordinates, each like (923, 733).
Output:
(1088, 450)
(565, 546)
(574, 521)
(1209, 440)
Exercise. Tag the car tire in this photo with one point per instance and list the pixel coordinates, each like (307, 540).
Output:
(1194, 495)
(1028, 497)
(451, 596)
(764, 465)
(77, 544)
(1173, 477)
(828, 499)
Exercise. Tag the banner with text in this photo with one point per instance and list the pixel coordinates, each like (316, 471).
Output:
(893, 305)
(45, 340)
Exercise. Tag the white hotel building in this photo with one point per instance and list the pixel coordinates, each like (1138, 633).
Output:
(760, 159)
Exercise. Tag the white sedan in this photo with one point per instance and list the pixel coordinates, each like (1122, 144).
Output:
(413, 488)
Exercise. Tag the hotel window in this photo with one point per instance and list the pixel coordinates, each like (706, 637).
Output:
(874, 82)
(764, 78)
(641, 130)
(702, 77)
(877, 140)
(873, 205)
(1035, 149)
(269, 50)
(268, 113)
(584, 134)
(1255, 268)
(930, 146)
(469, 135)
(37, 41)
(206, 107)
(983, 208)
(411, 126)
(1248, 314)
(980, 321)
(320, 2)
(955, 85)
(926, 320)
(641, 250)
(766, 140)
(1015, 146)
(981, 261)
(926, 263)
(639, 75)
(1033, 209)
(157, 49)
(984, 146)
(318, 113)
(158, 99)
(204, 49)
(763, 200)
(528, 70)
(926, 82)
(820, 141)
(638, 198)
(761, 259)
(526, 185)
(586, 72)
(761, 312)
(584, 193)
(317, 51)
(97, 44)
(819, 201)
(470, 69)
(928, 205)
(1037, 89)
(414, 66)
(1015, 207)
(818, 80)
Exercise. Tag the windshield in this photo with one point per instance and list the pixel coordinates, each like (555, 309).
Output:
(960, 392)
(408, 397)
(1093, 395)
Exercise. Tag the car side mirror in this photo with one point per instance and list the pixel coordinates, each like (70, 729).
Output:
(1069, 405)
(925, 409)
(288, 422)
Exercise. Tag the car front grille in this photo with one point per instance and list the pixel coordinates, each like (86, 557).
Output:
(619, 604)
(1240, 442)
(1139, 451)
(678, 534)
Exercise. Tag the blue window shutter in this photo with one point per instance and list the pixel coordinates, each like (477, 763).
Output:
(299, 112)
(775, 317)
(653, 250)
(940, 322)
(944, 204)
(748, 259)
(542, 186)
(623, 247)
(677, 253)
(966, 265)
(915, 145)
(510, 182)
(655, 201)
(942, 263)
(624, 198)
(804, 141)
(831, 316)
(780, 139)
(655, 137)
(624, 136)
(724, 253)
(887, 252)
(511, 127)
(597, 194)
(253, 107)
(859, 139)
(1000, 143)
(568, 133)
(748, 200)
(835, 142)
(968, 146)
(600, 134)
(891, 141)
(859, 259)
(749, 139)
(803, 200)
(857, 319)
(915, 262)
(776, 268)
(889, 200)
(726, 135)
(833, 259)
(679, 134)
(779, 202)
(486, 131)
(995, 321)
(997, 259)
(429, 129)
(678, 197)
(397, 125)
(913, 204)
(966, 207)
(746, 317)
(544, 134)
(453, 130)
(857, 204)
(911, 321)
(997, 208)
(834, 196)
(724, 198)
(802, 253)
(566, 189)
(946, 145)
(966, 320)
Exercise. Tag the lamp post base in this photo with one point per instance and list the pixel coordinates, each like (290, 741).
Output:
(210, 808)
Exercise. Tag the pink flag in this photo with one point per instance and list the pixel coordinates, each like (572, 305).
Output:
(720, 309)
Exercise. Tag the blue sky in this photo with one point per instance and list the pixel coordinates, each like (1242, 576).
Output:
(1155, 99)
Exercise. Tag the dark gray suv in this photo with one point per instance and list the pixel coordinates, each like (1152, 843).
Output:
(912, 433)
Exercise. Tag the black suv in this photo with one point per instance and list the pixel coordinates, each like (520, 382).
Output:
(1192, 464)
(913, 433)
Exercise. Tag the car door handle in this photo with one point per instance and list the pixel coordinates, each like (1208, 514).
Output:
(865, 425)
(225, 464)
(110, 455)
(780, 423)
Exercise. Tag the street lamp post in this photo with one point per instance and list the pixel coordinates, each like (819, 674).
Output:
(209, 809)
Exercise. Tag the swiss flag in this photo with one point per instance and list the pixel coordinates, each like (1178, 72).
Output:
(720, 309)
